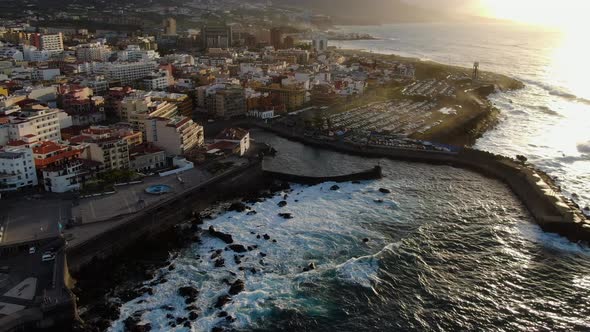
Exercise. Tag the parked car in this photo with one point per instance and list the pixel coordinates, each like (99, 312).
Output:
(32, 250)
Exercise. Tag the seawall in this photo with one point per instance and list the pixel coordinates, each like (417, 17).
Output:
(374, 173)
(162, 216)
(549, 209)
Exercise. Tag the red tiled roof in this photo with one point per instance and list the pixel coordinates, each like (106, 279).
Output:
(47, 147)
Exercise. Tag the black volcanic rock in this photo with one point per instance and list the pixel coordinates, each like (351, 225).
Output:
(227, 238)
(309, 267)
(237, 248)
(282, 203)
(334, 187)
(286, 215)
(236, 287)
(384, 191)
(132, 324)
(220, 262)
(222, 300)
(193, 315)
(238, 207)
(266, 237)
(251, 213)
(189, 293)
(216, 254)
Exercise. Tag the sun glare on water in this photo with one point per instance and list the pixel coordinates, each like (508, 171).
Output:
(568, 17)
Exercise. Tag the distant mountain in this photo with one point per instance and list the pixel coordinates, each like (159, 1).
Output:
(370, 11)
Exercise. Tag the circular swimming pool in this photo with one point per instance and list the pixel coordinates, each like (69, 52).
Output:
(158, 189)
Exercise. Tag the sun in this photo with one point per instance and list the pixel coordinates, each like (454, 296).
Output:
(562, 14)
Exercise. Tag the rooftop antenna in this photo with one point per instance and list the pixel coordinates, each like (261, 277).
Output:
(475, 71)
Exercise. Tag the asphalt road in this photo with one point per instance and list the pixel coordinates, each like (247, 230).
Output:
(26, 220)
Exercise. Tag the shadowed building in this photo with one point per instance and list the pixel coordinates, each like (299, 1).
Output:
(216, 36)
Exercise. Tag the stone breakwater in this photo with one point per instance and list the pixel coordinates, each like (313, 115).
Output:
(372, 174)
(553, 212)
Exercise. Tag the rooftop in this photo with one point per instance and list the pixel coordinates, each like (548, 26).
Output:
(234, 134)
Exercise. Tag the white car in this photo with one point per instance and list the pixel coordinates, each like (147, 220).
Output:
(47, 256)
(32, 250)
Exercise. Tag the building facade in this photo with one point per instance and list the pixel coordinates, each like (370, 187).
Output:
(176, 135)
(17, 168)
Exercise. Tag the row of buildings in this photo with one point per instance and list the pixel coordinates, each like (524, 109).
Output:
(93, 106)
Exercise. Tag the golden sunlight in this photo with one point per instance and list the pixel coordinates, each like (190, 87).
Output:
(562, 14)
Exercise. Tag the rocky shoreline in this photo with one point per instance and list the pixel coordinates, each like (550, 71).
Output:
(104, 285)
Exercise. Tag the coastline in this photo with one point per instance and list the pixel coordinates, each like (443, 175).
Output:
(131, 271)
(124, 277)
(553, 212)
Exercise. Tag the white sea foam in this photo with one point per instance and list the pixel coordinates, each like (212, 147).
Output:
(534, 233)
(364, 270)
(448, 111)
(318, 233)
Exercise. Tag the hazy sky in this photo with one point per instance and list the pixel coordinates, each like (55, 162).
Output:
(567, 14)
(468, 6)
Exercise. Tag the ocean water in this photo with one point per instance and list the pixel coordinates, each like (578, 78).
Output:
(446, 250)
(548, 121)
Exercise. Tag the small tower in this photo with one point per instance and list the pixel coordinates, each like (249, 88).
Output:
(475, 71)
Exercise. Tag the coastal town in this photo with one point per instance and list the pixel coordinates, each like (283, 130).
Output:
(104, 122)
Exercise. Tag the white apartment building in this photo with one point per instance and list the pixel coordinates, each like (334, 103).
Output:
(17, 168)
(237, 136)
(160, 80)
(63, 178)
(137, 107)
(93, 52)
(113, 153)
(36, 124)
(48, 42)
(135, 53)
(175, 136)
(11, 53)
(126, 72)
(31, 53)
